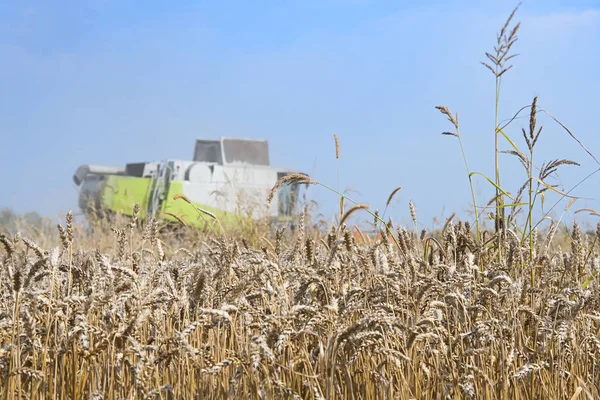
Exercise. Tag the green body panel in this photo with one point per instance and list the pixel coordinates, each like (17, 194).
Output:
(121, 193)
(189, 215)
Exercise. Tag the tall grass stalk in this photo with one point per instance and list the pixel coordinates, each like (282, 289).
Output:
(454, 120)
(501, 55)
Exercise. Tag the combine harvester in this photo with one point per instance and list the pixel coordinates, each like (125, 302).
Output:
(230, 178)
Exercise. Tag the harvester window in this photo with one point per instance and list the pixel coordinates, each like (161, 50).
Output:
(246, 151)
(135, 169)
(208, 151)
(287, 194)
(211, 154)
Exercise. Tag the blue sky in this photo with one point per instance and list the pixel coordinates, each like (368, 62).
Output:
(109, 82)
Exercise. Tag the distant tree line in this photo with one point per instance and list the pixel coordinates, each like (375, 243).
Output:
(27, 223)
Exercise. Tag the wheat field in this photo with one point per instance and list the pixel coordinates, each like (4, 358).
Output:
(125, 309)
(302, 317)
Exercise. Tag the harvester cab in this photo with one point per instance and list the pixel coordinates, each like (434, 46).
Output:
(228, 177)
